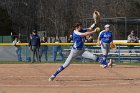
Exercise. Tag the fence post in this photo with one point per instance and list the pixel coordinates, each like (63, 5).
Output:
(119, 54)
(26, 54)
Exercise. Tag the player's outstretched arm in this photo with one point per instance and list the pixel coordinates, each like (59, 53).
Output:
(88, 33)
(92, 27)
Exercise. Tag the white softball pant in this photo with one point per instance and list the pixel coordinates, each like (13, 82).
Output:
(105, 48)
(74, 53)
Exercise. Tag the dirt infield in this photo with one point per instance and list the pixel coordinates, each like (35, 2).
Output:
(78, 78)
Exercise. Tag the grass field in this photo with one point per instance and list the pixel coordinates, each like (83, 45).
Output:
(60, 62)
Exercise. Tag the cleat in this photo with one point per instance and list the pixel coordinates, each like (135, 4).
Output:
(52, 78)
(103, 66)
(110, 63)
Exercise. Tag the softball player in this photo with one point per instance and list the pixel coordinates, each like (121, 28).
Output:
(105, 39)
(17, 48)
(78, 47)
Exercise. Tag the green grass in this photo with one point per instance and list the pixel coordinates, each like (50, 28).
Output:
(12, 62)
(74, 62)
(16, 62)
(129, 63)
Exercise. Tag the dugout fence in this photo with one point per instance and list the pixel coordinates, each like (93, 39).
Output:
(120, 54)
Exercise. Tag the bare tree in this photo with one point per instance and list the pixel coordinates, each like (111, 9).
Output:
(57, 16)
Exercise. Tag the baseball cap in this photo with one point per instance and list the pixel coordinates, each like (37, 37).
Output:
(107, 25)
(34, 31)
(132, 31)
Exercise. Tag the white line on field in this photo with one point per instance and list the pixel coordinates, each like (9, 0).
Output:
(92, 77)
(57, 85)
(48, 76)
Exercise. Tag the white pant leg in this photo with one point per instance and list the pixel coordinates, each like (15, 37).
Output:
(105, 47)
(74, 53)
(89, 55)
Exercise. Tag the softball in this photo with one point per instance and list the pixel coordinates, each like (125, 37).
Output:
(97, 29)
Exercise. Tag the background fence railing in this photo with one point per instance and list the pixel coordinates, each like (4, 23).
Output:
(120, 54)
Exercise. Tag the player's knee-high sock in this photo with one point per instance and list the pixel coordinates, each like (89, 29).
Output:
(104, 60)
(58, 71)
(98, 59)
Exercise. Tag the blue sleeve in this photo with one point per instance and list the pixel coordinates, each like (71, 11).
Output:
(101, 36)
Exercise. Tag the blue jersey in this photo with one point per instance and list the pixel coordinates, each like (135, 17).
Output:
(35, 41)
(105, 36)
(78, 40)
